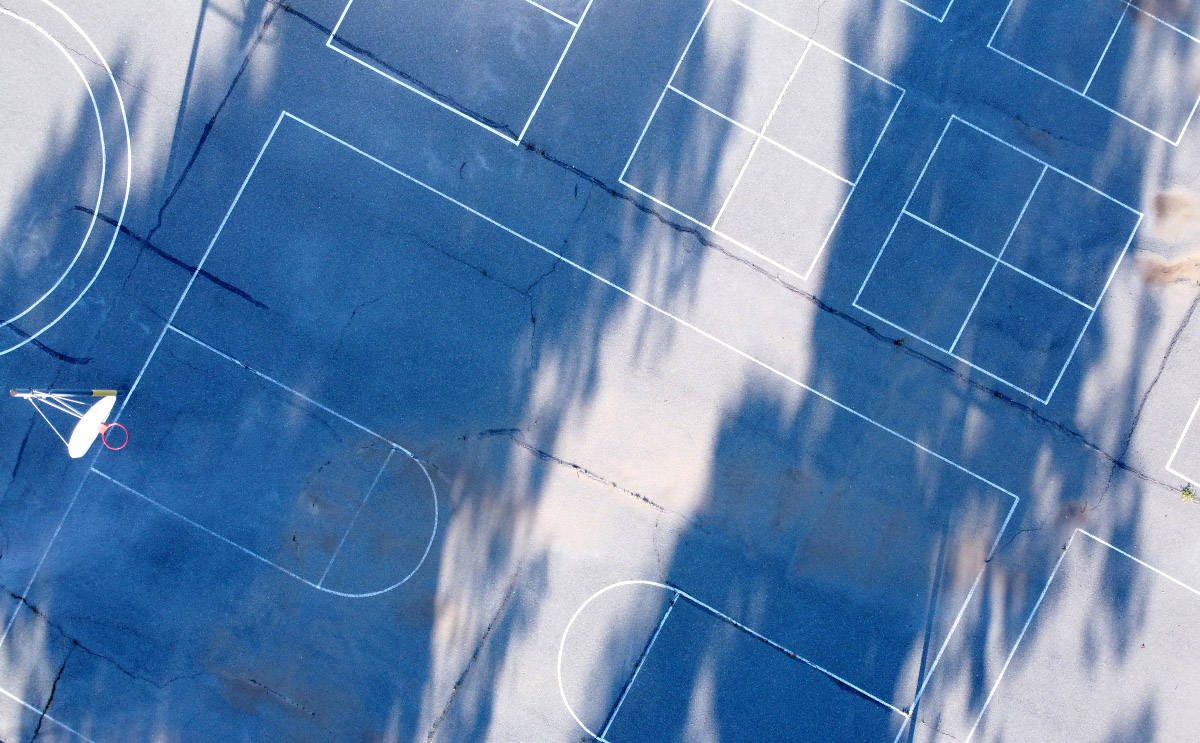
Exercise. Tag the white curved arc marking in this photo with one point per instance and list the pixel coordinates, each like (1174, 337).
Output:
(425, 554)
(128, 178)
(103, 161)
(562, 643)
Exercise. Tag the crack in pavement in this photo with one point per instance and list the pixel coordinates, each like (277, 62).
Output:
(516, 436)
(288, 701)
(508, 594)
(21, 451)
(65, 358)
(53, 688)
(145, 244)
(76, 644)
(407, 78)
(1187, 318)
(208, 125)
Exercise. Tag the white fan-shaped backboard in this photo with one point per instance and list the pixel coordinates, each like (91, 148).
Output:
(89, 427)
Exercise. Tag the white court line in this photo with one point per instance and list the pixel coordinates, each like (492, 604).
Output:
(559, 16)
(1091, 316)
(284, 387)
(666, 87)
(1038, 604)
(638, 667)
(1000, 259)
(353, 519)
(763, 137)
(903, 211)
(758, 140)
(1104, 53)
(1046, 167)
(711, 610)
(188, 287)
(45, 716)
(719, 233)
(1195, 480)
(760, 136)
(554, 73)
(1083, 93)
(128, 170)
(939, 19)
(249, 552)
(329, 43)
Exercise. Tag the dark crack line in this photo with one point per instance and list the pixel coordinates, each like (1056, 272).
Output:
(1187, 318)
(350, 320)
(79, 360)
(1137, 415)
(696, 234)
(508, 594)
(208, 125)
(145, 244)
(21, 450)
(50, 699)
(288, 701)
(407, 78)
(516, 436)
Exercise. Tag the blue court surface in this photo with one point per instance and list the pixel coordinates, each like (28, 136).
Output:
(589, 370)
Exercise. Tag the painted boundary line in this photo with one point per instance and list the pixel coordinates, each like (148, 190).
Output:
(677, 594)
(45, 716)
(457, 111)
(760, 136)
(1041, 597)
(922, 11)
(637, 666)
(104, 168)
(1083, 93)
(1195, 478)
(904, 212)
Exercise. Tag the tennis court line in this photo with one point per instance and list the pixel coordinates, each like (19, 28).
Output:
(506, 136)
(1041, 597)
(939, 18)
(1083, 93)
(760, 136)
(1046, 167)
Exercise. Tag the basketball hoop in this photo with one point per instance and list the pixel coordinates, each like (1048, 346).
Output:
(91, 418)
